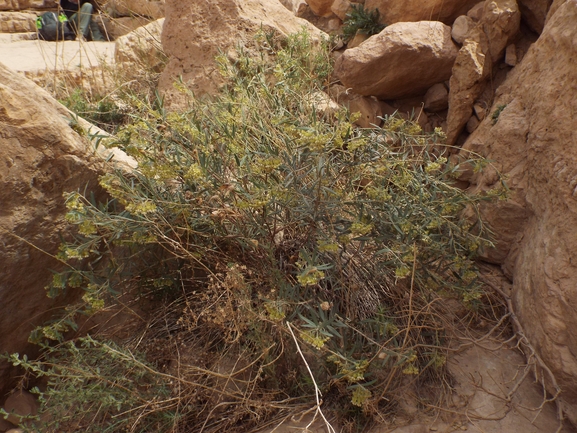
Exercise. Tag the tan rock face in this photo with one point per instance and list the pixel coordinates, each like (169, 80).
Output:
(18, 5)
(461, 28)
(136, 8)
(17, 22)
(534, 13)
(394, 11)
(42, 157)
(500, 23)
(117, 27)
(466, 85)
(368, 108)
(483, 47)
(340, 8)
(210, 26)
(20, 403)
(437, 98)
(405, 59)
(320, 7)
(476, 12)
(293, 5)
(534, 143)
(142, 46)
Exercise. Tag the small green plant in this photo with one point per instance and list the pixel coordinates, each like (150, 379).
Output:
(103, 112)
(103, 381)
(497, 113)
(361, 20)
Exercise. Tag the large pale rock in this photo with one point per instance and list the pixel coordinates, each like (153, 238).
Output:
(461, 28)
(293, 5)
(368, 109)
(476, 12)
(320, 7)
(136, 8)
(534, 13)
(500, 23)
(394, 11)
(465, 86)
(19, 5)
(437, 98)
(483, 47)
(553, 9)
(20, 404)
(117, 27)
(17, 22)
(211, 26)
(142, 46)
(405, 59)
(340, 8)
(42, 157)
(534, 143)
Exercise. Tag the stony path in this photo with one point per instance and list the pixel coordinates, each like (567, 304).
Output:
(34, 55)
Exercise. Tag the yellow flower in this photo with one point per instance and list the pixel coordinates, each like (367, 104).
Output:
(360, 396)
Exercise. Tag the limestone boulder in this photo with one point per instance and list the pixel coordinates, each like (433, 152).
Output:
(136, 8)
(293, 5)
(483, 47)
(511, 55)
(531, 137)
(142, 46)
(368, 109)
(553, 9)
(394, 11)
(117, 27)
(42, 157)
(341, 7)
(500, 23)
(534, 13)
(21, 5)
(20, 403)
(466, 84)
(437, 98)
(476, 12)
(357, 40)
(404, 60)
(213, 26)
(17, 22)
(321, 8)
(461, 28)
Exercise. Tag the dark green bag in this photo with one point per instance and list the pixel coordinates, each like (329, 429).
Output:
(54, 27)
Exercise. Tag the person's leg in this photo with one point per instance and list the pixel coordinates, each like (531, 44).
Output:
(73, 23)
(95, 32)
(83, 19)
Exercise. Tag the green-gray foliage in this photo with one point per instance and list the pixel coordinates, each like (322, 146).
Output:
(90, 384)
(261, 209)
(361, 20)
(102, 111)
(497, 113)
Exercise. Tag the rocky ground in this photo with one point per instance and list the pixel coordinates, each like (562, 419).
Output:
(33, 55)
(494, 389)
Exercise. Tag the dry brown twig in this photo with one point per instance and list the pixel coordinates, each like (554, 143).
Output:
(533, 360)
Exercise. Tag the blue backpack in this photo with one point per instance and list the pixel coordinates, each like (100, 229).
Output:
(54, 27)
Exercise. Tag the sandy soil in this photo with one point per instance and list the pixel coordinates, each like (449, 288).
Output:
(34, 55)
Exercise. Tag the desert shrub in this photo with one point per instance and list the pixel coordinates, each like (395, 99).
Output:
(259, 217)
(362, 20)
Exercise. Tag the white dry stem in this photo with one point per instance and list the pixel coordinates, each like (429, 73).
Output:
(318, 393)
